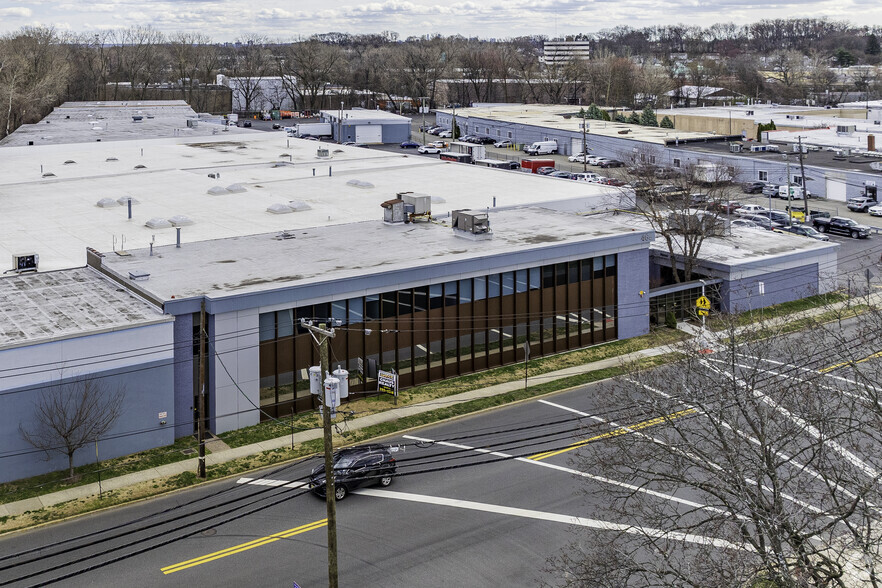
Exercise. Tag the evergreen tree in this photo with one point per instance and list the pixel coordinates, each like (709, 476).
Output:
(634, 119)
(594, 112)
(666, 123)
(647, 117)
(621, 118)
(873, 47)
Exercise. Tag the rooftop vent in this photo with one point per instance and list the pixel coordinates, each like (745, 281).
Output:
(139, 275)
(236, 188)
(471, 224)
(25, 262)
(107, 203)
(417, 206)
(393, 211)
(322, 152)
(359, 184)
(122, 201)
(137, 118)
(140, 166)
(158, 223)
(69, 161)
(217, 191)
(48, 175)
(179, 220)
(279, 208)
(298, 205)
(111, 159)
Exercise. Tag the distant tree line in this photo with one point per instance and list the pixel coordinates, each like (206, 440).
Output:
(784, 60)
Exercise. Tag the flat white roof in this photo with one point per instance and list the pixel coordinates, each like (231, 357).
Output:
(365, 114)
(324, 254)
(553, 117)
(51, 305)
(57, 216)
(92, 122)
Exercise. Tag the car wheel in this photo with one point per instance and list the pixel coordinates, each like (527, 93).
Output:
(340, 492)
(854, 235)
(822, 228)
(385, 481)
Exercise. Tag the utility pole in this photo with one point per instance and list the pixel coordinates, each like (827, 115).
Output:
(200, 412)
(789, 200)
(805, 196)
(423, 110)
(584, 144)
(320, 334)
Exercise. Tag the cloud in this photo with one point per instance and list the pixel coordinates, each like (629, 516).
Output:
(16, 12)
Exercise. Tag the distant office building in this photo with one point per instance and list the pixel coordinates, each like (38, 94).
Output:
(565, 51)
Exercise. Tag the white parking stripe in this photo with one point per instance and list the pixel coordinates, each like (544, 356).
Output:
(551, 517)
(809, 428)
(573, 472)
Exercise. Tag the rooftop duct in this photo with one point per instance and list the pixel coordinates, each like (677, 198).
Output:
(471, 224)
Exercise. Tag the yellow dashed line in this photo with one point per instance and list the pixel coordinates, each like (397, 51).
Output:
(847, 363)
(244, 547)
(616, 433)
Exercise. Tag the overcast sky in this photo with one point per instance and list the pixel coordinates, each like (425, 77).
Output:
(228, 20)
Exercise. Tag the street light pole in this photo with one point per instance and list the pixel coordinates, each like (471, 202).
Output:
(584, 146)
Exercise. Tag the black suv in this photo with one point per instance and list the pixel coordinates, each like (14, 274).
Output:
(362, 465)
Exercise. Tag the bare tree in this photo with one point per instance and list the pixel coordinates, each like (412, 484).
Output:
(746, 466)
(248, 63)
(684, 206)
(71, 413)
(308, 68)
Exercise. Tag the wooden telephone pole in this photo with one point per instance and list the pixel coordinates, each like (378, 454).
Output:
(200, 411)
(321, 336)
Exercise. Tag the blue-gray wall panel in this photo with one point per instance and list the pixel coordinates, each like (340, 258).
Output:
(632, 277)
(183, 375)
(149, 390)
(781, 286)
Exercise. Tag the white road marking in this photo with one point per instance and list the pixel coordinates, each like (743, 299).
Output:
(809, 428)
(813, 372)
(574, 473)
(551, 517)
(269, 482)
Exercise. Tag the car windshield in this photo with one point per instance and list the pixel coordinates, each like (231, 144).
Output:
(809, 231)
(344, 462)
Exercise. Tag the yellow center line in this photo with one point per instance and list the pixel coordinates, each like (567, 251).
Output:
(845, 363)
(616, 433)
(244, 547)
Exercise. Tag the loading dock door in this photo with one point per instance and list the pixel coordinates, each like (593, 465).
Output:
(836, 190)
(369, 134)
(576, 146)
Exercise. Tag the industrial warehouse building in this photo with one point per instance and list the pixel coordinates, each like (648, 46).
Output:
(367, 126)
(844, 160)
(429, 268)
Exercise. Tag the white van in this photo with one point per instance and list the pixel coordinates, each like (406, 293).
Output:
(541, 148)
(795, 192)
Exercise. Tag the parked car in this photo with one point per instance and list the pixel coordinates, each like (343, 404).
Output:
(727, 207)
(770, 190)
(561, 174)
(843, 226)
(587, 177)
(799, 213)
(751, 209)
(783, 218)
(276, 126)
(666, 173)
(744, 223)
(753, 187)
(595, 159)
(546, 170)
(485, 141)
(410, 145)
(354, 467)
(509, 165)
(860, 204)
(246, 124)
(445, 134)
(875, 210)
(806, 232)
(762, 221)
(435, 130)
(611, 181)
(504, 143)
(428, 149)
(577, 158)
(467, 138)
(670, 192)
(439, 144)
(611, 163)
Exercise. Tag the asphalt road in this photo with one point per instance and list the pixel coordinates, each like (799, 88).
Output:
(480, 501)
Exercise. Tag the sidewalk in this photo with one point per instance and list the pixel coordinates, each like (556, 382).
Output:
(224, 454)
(229, 454)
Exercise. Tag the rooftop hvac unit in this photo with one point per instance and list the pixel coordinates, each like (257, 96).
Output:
(25, 262)
(418, 206)
(192, 123)
(845, 129)
(471, 224)
(393, 211)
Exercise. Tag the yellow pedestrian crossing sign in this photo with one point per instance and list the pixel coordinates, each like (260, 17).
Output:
(703, 303)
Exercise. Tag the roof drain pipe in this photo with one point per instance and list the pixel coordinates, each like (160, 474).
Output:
(178, 244)
(130, 208)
